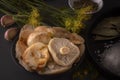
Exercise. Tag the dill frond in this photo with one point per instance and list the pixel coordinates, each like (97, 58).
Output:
(68, 23)
(76, 22)
(34, 17)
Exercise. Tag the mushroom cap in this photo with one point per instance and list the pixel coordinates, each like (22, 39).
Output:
(36, 56)
(20, 48)
(82, 50)
(63, 51)
(63, 33)
(25, 32)
(43, 37)
(76, 39)
(21, 44)
(60, 32)
(43, 29)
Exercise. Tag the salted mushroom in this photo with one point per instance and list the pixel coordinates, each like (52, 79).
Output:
(43, 37)
(82, 50)
(56, 70)
(63, 33)
(43, 29)
(60, 32)
(40, 34)
(36, 56)
(21, 44)
(53, 68)
(20, 48)
(25, 32)
(76, 39)
(63, 51)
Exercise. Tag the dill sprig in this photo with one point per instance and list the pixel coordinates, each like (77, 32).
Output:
(35, 12)
(34, 18)
(76, 22)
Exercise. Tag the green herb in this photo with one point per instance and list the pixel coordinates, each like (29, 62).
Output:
(35, 12)
(85, 3)
(34, 18)
(76, 23)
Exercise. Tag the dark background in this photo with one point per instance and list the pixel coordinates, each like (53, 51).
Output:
(9, 70)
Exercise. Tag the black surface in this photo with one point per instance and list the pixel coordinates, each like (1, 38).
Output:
(96, 48)
(10, 71)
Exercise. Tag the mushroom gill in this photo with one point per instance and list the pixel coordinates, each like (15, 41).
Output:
(63, 51)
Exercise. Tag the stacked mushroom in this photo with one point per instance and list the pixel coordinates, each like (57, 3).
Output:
(48, 50)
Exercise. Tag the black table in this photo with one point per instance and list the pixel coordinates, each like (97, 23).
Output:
(9, 70)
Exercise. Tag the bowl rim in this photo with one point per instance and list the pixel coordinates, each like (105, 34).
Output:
(99, 2)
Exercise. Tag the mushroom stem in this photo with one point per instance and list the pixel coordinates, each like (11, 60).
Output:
(64, 50)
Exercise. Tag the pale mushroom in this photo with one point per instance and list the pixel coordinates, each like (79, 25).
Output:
(60, 32)
(20, 48)
(63, 33)
(63, 51)
(36, 56)
(76, 39)
(82, 50)
(24, 65)
(53, 68)
(43, 29)
(21, 44)
(40, 34)
(43, 37)
(25, 32)
(33, 45)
